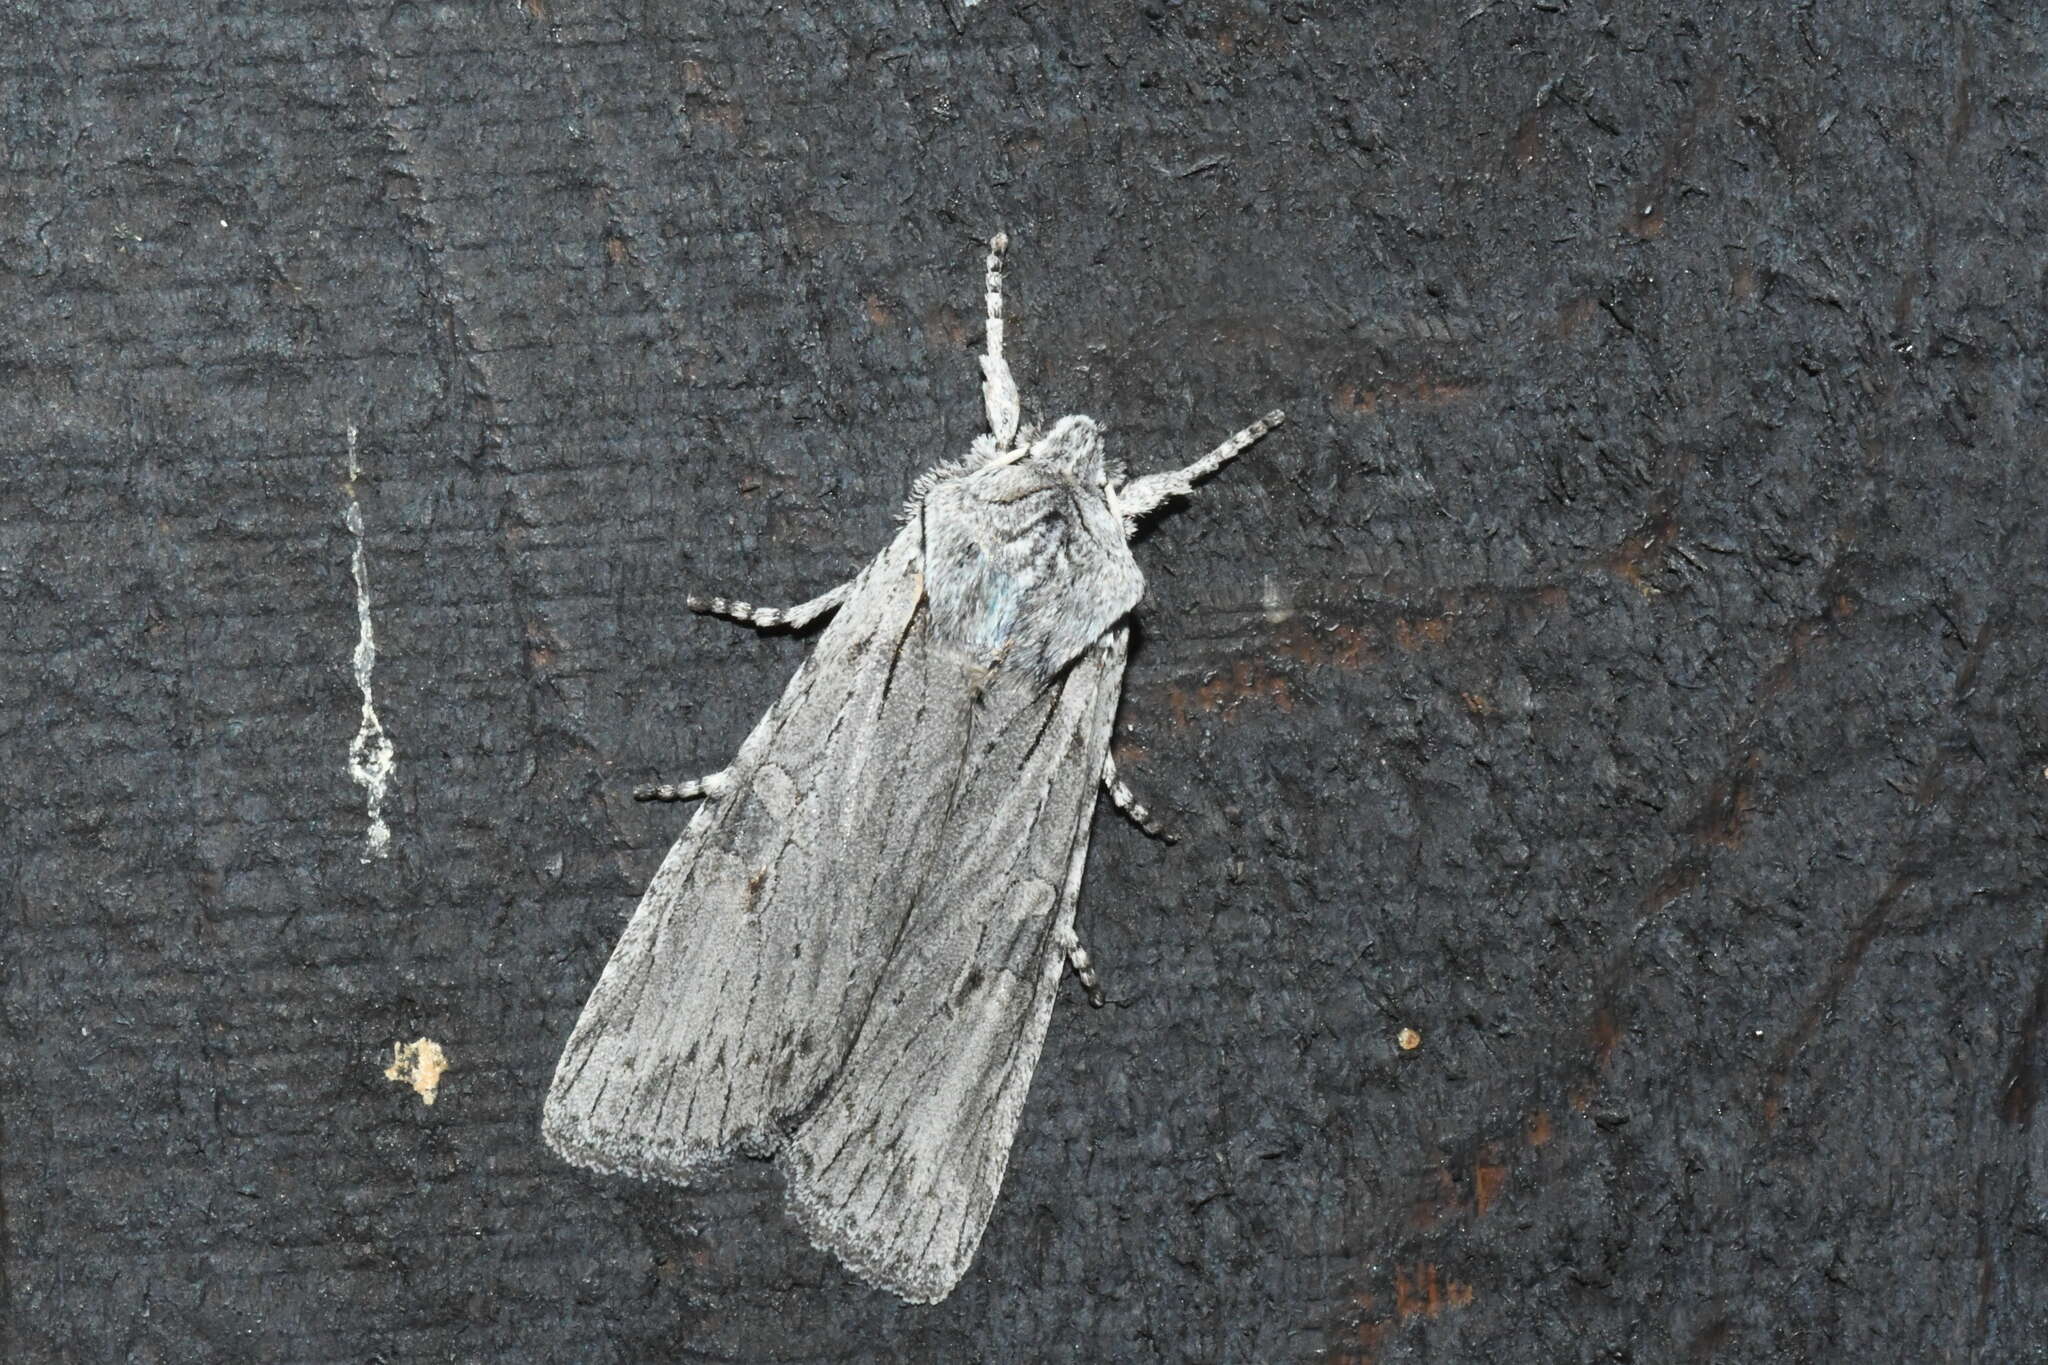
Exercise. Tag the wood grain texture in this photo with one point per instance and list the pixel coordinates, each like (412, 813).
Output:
(1629, 675)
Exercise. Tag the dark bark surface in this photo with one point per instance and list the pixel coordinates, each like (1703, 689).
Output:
(1626, 669)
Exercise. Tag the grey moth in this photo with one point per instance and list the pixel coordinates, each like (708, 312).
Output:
(848, 960)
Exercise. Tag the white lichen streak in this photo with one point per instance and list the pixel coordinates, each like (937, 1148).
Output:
(371, 757)
(1274, 602)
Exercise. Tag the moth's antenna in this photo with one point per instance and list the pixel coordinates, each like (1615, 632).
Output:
(998, 388)
(993, 290)
(1140, 496)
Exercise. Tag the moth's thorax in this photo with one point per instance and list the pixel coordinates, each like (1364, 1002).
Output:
(1025, 559)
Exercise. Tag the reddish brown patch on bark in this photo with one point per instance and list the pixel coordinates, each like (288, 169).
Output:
(1724, 816)
(1245, 681)
(1345, 647)
(1575, 314)
(1426, 1292)
(1527, 144)
(1645, 220)
(1178, 700)
(1334, 646)
(1351, 398)
(1434, 1203)
(541, 647)
(1412, 635)
(1673, 882)
(1446, 1193)
(1364, 1346)
(944, 327)
(1489, 1177)
(1647, 543)
(1424, 389)
(1607, 1031)
(1646, 209)
(1537, 1132)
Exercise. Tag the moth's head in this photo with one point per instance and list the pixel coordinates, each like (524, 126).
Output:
(1068, 452)
(1071, 448)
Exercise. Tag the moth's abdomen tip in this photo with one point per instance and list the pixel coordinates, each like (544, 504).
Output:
(696, 603)
(1275, 417)
(999, 242)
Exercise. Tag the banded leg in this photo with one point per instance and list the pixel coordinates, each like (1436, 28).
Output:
(1140, 496)
(1077, 956)
(1128, 804)
(711, 784)
(998, 387)
(800, 615)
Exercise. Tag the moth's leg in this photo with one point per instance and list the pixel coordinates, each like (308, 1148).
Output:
(1140, 496)
(711, 784)
(800, 615)
(1128, 804)
(998, 388)
(1078, 956)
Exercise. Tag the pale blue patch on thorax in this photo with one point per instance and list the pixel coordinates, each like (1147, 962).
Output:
(1006, 594)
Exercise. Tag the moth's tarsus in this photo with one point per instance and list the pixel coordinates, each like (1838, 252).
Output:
(766, 618)
(660, 792)
(711, 784)
(1077, 958)
(1120, 797)
(930, 770)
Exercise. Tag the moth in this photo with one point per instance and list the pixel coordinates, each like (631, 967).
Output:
(848, 960)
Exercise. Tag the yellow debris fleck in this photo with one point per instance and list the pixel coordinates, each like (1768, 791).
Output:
(418, 1064)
